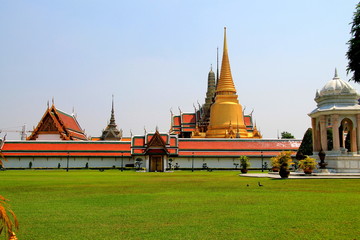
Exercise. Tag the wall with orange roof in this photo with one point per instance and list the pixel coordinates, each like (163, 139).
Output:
(217, 153)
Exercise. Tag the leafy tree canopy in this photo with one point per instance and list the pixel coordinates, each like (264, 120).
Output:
(286, 135)
(353, 53)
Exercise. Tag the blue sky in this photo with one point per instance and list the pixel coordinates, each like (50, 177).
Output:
(155, 55)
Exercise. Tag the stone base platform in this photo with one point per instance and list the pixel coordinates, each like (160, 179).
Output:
(298, 175)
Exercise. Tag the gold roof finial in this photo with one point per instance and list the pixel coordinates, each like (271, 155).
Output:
(226, 83)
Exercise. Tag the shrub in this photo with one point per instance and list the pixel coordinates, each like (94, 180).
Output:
(308, 163)
(244, 162)
(282, 160)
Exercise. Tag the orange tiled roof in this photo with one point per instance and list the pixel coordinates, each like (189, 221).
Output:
(69, 121)
(177, 121)
(60, 123)
(247, 120)
(63, 148)
(235, 147)
(188, 118)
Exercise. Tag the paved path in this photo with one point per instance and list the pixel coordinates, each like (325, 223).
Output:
(303, 176)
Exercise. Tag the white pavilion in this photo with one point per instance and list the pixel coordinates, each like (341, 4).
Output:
(338, 112)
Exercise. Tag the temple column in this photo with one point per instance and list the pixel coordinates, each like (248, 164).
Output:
(323, 135)
(315, 137)
(335, 130)
(358, 130)
(353, 140)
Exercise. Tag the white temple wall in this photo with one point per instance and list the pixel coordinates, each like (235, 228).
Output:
(96, 162)
(213, 162)
(74, 162)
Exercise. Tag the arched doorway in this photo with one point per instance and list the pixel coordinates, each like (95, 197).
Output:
(347, 135)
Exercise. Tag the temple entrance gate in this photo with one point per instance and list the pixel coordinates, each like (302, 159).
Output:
(156, 163)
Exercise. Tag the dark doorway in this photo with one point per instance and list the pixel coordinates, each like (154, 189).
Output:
(156, 164)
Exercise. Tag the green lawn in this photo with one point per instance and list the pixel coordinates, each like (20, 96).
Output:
(88, 204)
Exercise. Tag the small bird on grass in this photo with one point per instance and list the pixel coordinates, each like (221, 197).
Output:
(260, 185)
(247, 185)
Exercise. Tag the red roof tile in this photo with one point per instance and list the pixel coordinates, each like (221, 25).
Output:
(188, 118)
(90, 148)
(229, 153)
(177, 121)
(69, 121)
(247, 120)
(138, 141)
(182, 147)
(236, 144)
(56, 121)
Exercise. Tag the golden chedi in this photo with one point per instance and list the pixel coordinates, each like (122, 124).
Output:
(226, 113)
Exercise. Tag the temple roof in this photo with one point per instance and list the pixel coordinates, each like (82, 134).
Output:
(55, 121)
(336, 95)
(336, 86)
(66, 148)
(111, 131)
(235, 147)
(154, 142)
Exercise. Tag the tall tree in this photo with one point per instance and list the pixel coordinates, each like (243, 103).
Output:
(306, 146)
(353, 54)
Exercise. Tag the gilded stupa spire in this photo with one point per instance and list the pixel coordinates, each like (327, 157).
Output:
(226, 84)
(226, 110)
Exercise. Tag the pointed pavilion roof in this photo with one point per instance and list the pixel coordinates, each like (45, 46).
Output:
(225, 84)
(55, 121)
(111, 132)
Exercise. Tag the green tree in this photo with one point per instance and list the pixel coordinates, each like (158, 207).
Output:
(353, 54)
(306, 146)
(286, 135)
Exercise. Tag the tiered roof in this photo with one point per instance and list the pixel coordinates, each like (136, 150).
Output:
(187, 122)
(111, 131)
(55, 121)
(153, 143)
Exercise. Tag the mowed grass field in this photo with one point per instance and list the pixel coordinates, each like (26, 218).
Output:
(88, 204)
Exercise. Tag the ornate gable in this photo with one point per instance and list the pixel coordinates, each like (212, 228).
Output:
(57, 125)
(156, 145)
(48, 124)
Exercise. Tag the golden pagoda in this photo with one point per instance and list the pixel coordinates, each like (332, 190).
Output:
(226, 113)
